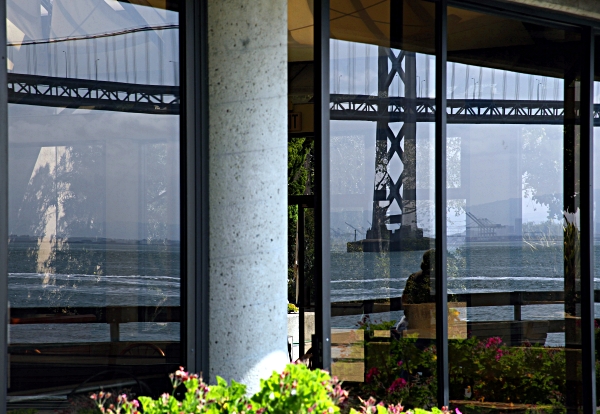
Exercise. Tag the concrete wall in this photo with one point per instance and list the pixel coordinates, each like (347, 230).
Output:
(584, 8)
(248, 188)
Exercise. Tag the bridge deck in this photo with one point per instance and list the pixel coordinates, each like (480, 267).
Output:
(165, 100)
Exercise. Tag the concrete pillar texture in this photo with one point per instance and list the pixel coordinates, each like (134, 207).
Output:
(247, 59)
(583, 8)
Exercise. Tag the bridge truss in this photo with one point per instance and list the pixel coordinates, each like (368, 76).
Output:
(459, 111)
(93, 94)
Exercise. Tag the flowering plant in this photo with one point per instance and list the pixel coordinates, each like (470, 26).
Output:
(489, 370)
(481, 369)
(406, 373)
(198, 398)
(371, 406)
(296, 390)
(299, 390)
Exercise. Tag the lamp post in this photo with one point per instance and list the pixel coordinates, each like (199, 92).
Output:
(175, 71)
(66, 65)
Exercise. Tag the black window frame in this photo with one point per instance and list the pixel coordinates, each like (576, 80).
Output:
(194, 184)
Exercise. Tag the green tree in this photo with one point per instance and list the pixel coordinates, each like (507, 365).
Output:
(300, 179)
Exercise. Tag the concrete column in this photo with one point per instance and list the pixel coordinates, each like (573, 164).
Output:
(247, 55)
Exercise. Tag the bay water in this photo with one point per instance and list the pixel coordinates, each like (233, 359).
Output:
(99, 275)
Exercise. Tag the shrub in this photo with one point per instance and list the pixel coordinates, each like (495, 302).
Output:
(198, 398)
(492, 371)
(296, 390)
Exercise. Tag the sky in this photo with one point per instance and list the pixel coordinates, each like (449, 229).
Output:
(89, 173)
(498, 170)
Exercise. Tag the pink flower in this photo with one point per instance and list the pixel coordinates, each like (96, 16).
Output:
(395, 409)
(494, 341)
(499, 354)
(397, 384)
(400, 363)
(373, 372)
(368, 406)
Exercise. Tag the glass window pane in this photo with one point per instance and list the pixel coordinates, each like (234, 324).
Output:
(596, 168)
(382, 146)
(301, 176)
(94, 251)
(513, 213)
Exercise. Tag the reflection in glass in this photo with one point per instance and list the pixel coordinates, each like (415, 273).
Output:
(596, 180)
(382, 176)
(94, 251)
(513, 212)
(301, 174)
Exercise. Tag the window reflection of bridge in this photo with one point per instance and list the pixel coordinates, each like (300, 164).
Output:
(92, 94)
(88, 74)
(164, 99)
(112, 65)
(459, 111)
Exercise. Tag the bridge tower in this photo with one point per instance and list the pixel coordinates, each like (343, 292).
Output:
(402, 188)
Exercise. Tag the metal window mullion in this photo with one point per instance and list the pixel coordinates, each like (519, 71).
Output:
(301, 280)
(200, 113)
(4, 314)
(441, 288)
(194, 183)
(322, 340)
(587, 221)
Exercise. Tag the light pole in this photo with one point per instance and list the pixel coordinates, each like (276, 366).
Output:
(66, 66)
(474, 87)
(175, 71)
(96, 62)
(421, 89)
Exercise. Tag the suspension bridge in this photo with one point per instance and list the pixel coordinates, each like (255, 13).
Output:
(459, 111)
(91, 73)
(93, 94)
(130, 71)
(164, 99)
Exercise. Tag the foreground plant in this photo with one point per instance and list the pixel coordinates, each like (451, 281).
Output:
(371, 406)
(198, 398)
(123, 405)
(297, 390)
